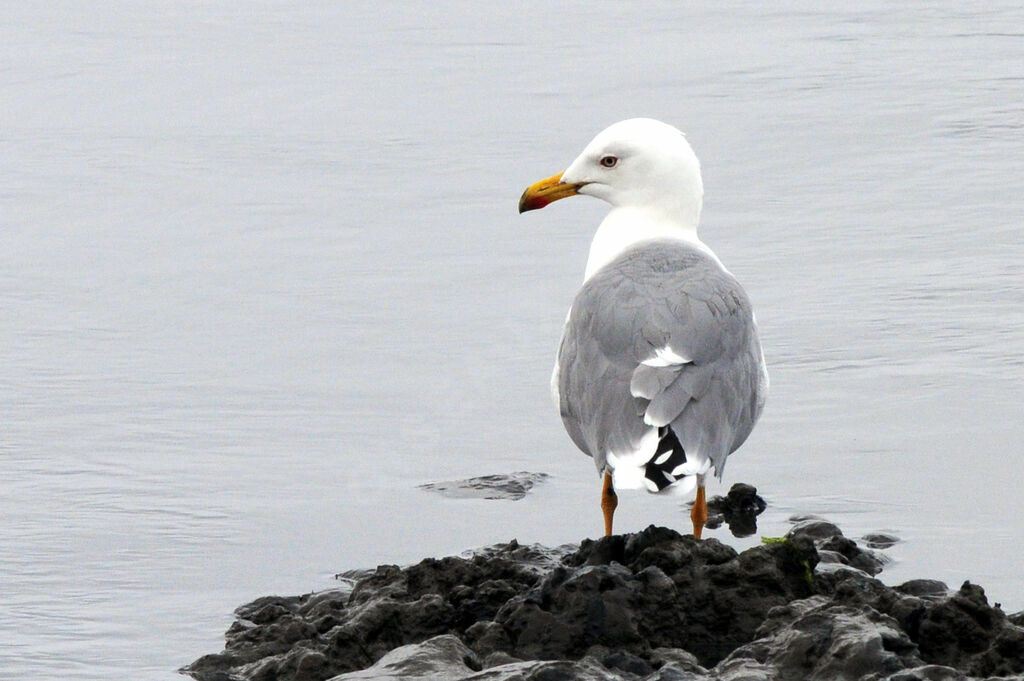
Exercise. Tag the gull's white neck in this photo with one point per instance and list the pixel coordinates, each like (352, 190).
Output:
(626, 226)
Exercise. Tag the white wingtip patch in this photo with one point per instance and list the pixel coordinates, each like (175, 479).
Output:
(681, 487)
(628, 467)
(695, 465)
(650, 422)
(665, 357)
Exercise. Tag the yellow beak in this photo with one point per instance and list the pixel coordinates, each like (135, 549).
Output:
(546, 191)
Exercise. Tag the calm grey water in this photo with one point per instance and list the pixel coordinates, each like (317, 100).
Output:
(261, 274)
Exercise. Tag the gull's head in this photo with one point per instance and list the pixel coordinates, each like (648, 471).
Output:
(639, 163)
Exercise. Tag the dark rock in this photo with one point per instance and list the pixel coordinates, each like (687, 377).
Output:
(928, 672)
(831, 557)
(620, 660)
(965, 632)
(835, 548)
(853, 555)
(815, 529)
(513, 486)
(498, 658)
(388, 608)
(681, 660)
(739, 509)
(924, 588)
(442, 658)
(879, 540)
(815, 639)
(676, 592)
(446, 658)
(273, 632)
(649, 606)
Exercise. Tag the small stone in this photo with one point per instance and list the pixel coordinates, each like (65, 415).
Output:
(801, 517)
(512, 486)
(924, 588)
(739, 508)
(879, 540)
(815, 529)
(715, 520)
(831, 557)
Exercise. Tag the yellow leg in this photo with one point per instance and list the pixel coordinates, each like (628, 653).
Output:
(609, 500)
(699, 513)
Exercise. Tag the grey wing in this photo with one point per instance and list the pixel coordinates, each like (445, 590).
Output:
(568, 352)
(596, 407)
(726, 382)
(659, 341)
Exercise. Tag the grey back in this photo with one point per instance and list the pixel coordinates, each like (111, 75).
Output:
(661, 293)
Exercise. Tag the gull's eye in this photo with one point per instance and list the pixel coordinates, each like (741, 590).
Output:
(609, 161)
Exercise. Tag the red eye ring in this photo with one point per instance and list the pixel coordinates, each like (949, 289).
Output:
(609, 161)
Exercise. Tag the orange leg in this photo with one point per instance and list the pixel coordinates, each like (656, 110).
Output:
(699, 513)
(609, 500)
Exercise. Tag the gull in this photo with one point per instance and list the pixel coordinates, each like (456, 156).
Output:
(660, 374)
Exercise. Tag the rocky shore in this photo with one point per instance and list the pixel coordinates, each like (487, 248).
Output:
(651, 606)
